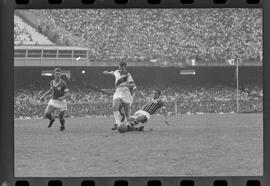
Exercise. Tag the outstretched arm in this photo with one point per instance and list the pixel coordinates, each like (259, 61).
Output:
(108, 72)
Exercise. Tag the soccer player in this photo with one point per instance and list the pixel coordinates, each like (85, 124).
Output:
(143, 115)
(123, 96)
(59, 90)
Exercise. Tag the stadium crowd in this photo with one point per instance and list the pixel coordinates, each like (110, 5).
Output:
(21, 35)
(168, 35)
(190, 100)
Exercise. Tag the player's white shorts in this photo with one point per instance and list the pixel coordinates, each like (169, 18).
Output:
(124, 95)
(61, 105)
(142, 113)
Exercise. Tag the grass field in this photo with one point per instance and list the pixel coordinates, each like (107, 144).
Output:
(193, 145)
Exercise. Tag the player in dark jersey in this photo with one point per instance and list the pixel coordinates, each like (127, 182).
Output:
(143, 115)
(59, 90)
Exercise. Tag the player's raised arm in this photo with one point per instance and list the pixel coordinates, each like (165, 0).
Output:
(108, 72)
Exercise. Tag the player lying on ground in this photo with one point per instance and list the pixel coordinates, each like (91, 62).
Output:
(123, 95)
(143, 115)
(59, 90)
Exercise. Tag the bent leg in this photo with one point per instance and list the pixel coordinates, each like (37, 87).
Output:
(48, 114)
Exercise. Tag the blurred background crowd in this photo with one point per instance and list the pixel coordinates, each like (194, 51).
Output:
(189, 100)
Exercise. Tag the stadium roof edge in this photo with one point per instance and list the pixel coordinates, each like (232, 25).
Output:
(52, 47)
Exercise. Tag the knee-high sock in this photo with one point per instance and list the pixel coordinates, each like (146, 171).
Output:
(117, 116)
(61, 118)
(49, 116)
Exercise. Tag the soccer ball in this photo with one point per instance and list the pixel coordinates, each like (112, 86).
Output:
(122, 128)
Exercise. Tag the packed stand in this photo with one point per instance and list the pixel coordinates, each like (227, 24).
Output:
(21, 35)
(24, 34)
(172, 35)
(189, 100)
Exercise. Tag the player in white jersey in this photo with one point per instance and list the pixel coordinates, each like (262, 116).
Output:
(123, 96)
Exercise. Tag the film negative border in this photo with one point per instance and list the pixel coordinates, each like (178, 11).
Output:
(131, 181)
(21, 4)
(7, 137)
(85, 2)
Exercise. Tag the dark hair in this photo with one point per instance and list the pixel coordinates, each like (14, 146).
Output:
(56, 70)
(121, 64)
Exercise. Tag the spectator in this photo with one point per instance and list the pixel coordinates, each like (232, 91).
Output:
(163, 35)
(194, 99)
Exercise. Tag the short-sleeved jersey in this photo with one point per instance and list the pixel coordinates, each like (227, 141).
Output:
(58, 89)
(152, 106)
(121, 79)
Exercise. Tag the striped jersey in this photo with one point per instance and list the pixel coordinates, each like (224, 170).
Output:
(58, 89)
(152, 106)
